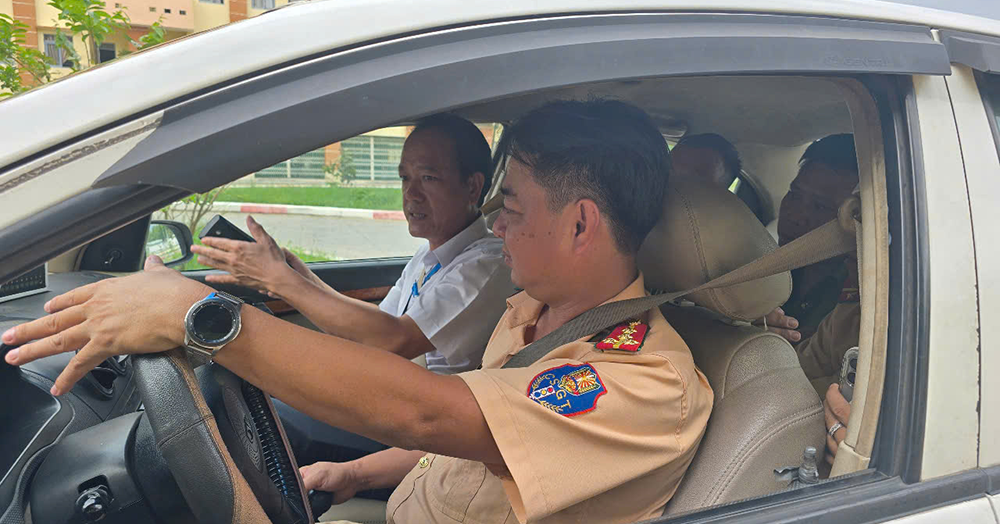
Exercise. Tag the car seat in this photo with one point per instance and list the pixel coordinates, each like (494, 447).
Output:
(765, 412)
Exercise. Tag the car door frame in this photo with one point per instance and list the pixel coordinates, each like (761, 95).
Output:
(144, 177)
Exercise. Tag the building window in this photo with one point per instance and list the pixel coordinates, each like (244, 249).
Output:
(166, 10)
(152, 9)
(212, 1)
(375, 158)
(58, 55)
(183, 12)
(106, 52)
(118, 6)
(262, 4)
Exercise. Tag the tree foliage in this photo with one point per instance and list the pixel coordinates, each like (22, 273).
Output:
(342, 171)
(92, 22)
(193, 208)
(17, 59)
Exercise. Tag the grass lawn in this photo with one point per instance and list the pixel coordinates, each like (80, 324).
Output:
(352, 197)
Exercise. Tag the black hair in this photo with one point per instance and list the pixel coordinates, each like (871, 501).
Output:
(727, 151)
(470, 145)
(836, 151)
(605, 150)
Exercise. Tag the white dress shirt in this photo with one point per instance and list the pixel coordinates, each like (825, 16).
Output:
(458, 305)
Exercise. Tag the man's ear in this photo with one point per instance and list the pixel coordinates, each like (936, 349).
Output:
(475, 183)
(587, 218)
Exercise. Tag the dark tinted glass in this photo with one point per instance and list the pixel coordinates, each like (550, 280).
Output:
(213, 322)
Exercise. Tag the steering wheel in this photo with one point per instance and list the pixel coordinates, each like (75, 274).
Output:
(223, 442)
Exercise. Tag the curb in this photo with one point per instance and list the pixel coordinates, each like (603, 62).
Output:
(319, 211)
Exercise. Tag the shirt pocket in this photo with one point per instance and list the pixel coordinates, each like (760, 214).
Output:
(405, 489)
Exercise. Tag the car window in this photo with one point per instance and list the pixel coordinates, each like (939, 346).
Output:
(340, 202)
(989, 85)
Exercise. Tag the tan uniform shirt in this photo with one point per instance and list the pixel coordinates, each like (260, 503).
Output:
(613, 452)
(822, 354)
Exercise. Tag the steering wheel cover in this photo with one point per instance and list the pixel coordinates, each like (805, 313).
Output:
(188, 438)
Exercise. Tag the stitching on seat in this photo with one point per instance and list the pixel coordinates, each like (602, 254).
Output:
(795, 418)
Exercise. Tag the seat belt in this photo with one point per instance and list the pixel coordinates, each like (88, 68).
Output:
(837, 237)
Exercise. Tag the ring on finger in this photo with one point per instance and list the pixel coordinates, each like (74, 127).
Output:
(833, 430)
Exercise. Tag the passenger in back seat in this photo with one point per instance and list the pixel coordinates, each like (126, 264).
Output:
(708, 157)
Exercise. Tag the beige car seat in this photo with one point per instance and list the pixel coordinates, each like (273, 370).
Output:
(765, 411)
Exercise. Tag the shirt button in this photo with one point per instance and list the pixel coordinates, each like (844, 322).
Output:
(423, 462)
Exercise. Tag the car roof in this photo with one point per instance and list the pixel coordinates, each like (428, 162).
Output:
(137, 83)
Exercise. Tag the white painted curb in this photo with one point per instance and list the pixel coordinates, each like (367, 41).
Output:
(319, 211)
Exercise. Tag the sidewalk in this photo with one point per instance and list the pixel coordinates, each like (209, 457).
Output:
(319, 211)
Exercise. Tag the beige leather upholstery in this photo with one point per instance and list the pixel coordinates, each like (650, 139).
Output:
(705, 232)
(765, 411)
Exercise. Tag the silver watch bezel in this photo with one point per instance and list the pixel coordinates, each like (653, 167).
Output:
(202, 346)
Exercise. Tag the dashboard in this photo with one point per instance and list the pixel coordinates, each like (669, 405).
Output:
(33, 419)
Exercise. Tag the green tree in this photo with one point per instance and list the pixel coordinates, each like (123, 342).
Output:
(16, 58)
(194, 207)
(90, 20)
(342, 171)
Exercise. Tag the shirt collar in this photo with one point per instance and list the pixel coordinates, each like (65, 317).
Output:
(523, 308)
(447, 252)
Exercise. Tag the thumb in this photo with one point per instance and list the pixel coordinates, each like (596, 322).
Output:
(153, 262)
(257, 231)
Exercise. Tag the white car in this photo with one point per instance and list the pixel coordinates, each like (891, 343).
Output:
(87, 160)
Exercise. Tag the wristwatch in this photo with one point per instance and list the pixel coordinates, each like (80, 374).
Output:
(211, 323)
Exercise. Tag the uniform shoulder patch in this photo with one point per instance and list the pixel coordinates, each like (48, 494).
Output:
(627, 336)
(570, 390)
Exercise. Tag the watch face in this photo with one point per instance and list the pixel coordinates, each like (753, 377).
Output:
(213, 323)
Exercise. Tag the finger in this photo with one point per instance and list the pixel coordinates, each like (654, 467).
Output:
(219, 243)
(42, 328)
(211, 252)
(65, 341)
(87, 359)
(222, 279)
(838, 404)
(788, 334)
(829, 459)
(257, 231)
(72, 298)
(153, 262)
(829, 418)
(831, 445)
(213, 263)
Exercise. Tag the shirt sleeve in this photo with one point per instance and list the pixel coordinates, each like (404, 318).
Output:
(458, 313)
(390, 303)
(821, 354)
(625, 421)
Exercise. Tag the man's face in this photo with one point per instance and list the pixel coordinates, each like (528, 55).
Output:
(436, 201)
(533, 244)
(700, 163)
(813, 199)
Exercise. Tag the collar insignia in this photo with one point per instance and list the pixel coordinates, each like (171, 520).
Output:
(626, 337)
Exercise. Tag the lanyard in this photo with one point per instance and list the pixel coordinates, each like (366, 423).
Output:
(415, 291)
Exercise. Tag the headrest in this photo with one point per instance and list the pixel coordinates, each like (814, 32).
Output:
(706, 232)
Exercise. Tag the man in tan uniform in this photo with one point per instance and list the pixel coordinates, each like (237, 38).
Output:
(601, 429)
(821, 355)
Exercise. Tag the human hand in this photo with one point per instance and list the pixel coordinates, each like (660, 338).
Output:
(836, 409)
(259, 265)
(783, 325)
(339, 478)
(301, 268)
(141, 313)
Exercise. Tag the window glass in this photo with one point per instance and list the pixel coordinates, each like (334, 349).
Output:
(262, 4)
(56, 53)
(339, 202)
(106, 53)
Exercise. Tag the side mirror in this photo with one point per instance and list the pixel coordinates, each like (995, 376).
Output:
(169, 240)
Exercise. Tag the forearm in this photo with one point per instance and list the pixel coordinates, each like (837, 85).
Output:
(372, 393)
(353, 319)
(385, 469)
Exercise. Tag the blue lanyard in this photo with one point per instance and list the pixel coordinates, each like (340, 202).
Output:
(415, 292)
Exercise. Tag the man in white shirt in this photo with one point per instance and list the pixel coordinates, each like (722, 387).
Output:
(450, 295)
